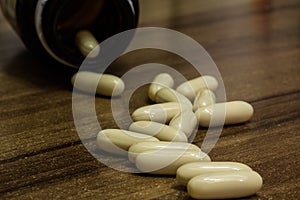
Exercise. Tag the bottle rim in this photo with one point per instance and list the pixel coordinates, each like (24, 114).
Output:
(46, 31)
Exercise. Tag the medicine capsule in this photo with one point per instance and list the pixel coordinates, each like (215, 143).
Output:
(160, 131)
(235, 112)
(107, 85)
(204, 98)
(117, 141)
(138, 148)
(87, 44)
(186, 122)
(225, 185)
(160, 81)
(170, 95)
(160, 113)
(167, 161)
(192, 87)
(190, 170)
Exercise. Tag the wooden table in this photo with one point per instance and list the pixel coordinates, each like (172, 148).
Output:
(256, 46)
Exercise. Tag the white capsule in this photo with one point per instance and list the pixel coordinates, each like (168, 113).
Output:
(117, 141)
(192, 87)
(235, 112)
(159, 82)
(160, 131)
(136, 149)
(190, 170)
(107, 85)
(167, 161)
(204, 98)
(185, 121)
(87, 44)
(170, 95)
(225, 185)
(161, 113)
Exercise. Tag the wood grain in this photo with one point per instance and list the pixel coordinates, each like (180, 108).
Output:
(256, 46)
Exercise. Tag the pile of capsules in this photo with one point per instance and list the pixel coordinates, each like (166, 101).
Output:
(157, 140)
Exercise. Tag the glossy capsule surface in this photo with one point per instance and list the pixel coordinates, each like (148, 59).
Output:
(190, 170)
(141, 147)
(160, 131)
(192, 87)
(166, 162)
(87, 44)
(170, 95)
(160, 113)
(118, 141)
(185, 121)
(160, 81)
(233, 112)
(106, 84)
(204, 98)
(225, 185)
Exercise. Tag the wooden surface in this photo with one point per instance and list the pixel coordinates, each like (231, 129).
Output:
(256, 45)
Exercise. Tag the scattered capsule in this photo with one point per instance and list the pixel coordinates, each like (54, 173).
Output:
(167, 161)
(234, 112)
(186, 122)
(159, 82)
(118, 141)
(170, 95)
(160, 113)
(136, 149)
(190, 170)
(192, 87)
(87, 44)
(160, 131)
(225, 185)
(204, 98)
(102, 84)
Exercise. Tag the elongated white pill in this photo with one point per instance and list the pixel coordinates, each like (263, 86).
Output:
(160, 131)
(167, 161)
(160, 81)
(185, 121)
(192, 87)
(190, 170)
(107, 84)
(235, 112)
(138, 148)
(170, 95)
(204, 98)
(161, 113)
(225, 185)
(87, 43)
(118, 141)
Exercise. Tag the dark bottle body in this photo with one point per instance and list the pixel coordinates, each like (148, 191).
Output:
(48, 27)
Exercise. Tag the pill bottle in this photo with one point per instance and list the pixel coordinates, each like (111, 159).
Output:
(48, 27)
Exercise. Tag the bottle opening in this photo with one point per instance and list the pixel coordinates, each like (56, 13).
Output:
(62, 20)
(78, 16)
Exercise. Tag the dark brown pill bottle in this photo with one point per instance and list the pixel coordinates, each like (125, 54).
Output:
(48, 27)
